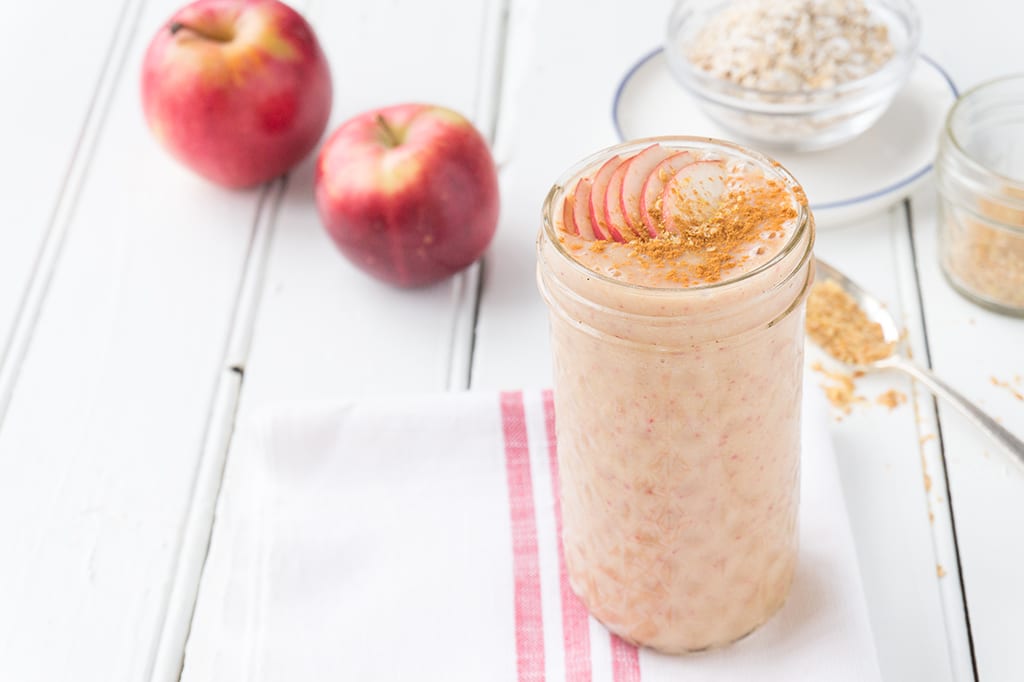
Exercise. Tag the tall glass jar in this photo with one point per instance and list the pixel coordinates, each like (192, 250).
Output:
(678, 425)
(980, 174)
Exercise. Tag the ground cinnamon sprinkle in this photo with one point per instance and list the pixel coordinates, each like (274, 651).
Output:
(1006, 384)
(891, 399)
(837, 324)
(709, 240)
(840, 388)
(987, 257)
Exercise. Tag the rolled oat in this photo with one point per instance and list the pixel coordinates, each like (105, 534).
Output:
(790, 46)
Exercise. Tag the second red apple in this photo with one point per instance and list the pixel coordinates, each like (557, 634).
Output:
(409, 193)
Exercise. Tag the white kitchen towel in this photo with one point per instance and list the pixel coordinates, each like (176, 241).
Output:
(416, 539)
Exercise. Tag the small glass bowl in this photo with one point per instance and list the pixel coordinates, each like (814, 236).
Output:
(980, 177)
(795, 121)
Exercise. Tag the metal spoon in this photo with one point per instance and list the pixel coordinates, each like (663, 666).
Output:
(877, 312)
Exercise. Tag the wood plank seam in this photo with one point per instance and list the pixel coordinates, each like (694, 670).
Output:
(168, 656)
(26, 317)
(934, 410)
(461, 328)
(166, 659)
(469, 291)
(481, 277)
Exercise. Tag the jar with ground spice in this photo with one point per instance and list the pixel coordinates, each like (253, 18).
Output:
(676, 272)
(980, 174)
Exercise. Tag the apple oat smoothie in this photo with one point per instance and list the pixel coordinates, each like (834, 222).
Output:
(676, 272)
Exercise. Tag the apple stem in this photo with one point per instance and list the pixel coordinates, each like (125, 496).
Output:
(178, 26)
(390, 138)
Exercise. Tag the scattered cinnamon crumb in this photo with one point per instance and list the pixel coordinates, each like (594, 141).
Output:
(931, 516)
(940, 571)
(987, 257)
(927, 437)
(837, 324)
(709, 239)
(840, 389)
(924, 473)
(1006, 384)
(891, 399)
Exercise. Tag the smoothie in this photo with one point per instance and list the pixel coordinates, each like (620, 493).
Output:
(676, 272)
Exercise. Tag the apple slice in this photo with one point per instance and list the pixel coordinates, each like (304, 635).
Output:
(581, 210)
(598, 189)
(614, 216)
(635, 173)
(568, 222)
(654, 186)
(692, 194)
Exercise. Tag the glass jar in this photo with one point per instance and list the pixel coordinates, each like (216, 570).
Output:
(980, 175)
(678, 426)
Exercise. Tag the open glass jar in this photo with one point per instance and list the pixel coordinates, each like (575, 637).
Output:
(678, 425)
(980, 174)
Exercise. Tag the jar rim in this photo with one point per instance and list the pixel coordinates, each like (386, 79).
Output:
(958, 148)
(804, 219)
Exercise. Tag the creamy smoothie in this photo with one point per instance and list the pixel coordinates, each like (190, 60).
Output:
(676, 272)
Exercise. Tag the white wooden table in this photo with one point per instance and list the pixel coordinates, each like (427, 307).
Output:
(142, 311)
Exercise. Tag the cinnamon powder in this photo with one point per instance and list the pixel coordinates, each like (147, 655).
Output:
(837, 324)
(711, 238)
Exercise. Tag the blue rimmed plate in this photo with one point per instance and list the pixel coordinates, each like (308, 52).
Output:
(843, 184)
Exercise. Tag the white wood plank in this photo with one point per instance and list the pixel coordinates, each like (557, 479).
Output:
(969, 347)
(325, 329)
(560, 76)
(977, 41)
(933, 464)
(48, 121)
(555, 109)
(317, 327)
(103, 435)
(903, 528)
(195, 542)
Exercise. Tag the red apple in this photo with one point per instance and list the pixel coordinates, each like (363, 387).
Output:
(237, 90)
(409, 193)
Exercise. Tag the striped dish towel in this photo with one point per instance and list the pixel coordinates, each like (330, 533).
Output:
(417, 539)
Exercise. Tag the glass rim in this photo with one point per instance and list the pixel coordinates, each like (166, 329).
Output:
(805, 222)
(961, 153)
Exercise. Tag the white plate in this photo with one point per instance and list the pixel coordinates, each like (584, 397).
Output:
(843, 184)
